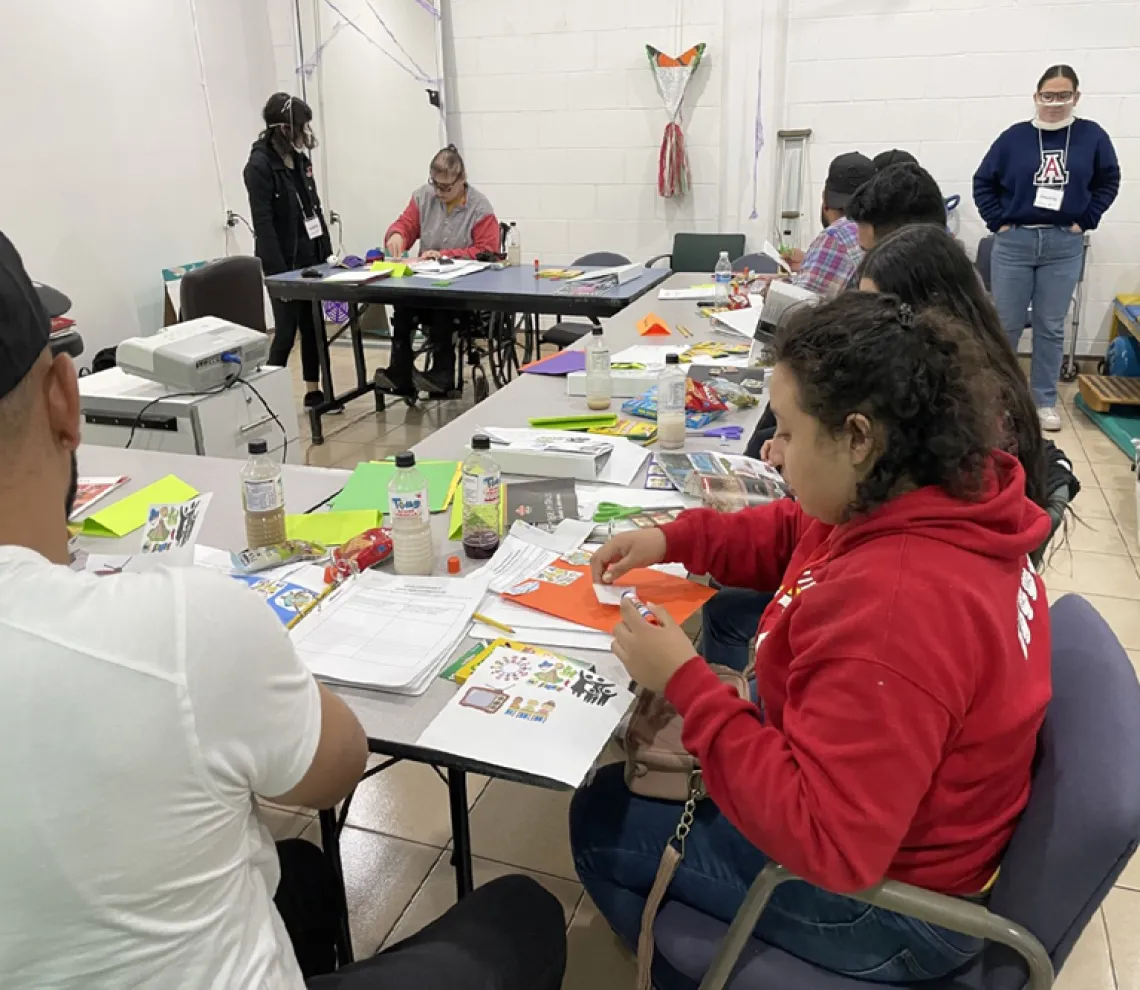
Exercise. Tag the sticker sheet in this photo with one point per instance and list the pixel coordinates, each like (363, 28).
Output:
(171, 531)
(532, 713)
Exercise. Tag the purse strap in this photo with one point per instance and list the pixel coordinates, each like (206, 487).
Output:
(666, 869)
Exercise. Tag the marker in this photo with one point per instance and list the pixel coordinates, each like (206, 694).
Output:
(643, 610)
(536, 268)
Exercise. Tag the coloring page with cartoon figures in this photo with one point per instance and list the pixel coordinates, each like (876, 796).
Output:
(171, 532)
(536, 713)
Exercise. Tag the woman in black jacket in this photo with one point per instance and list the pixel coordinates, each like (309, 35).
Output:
(288, 228)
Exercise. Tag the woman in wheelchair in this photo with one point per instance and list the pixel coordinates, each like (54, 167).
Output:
(902, 669)
(450, 219)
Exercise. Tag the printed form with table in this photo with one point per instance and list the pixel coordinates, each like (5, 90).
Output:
(525, 635)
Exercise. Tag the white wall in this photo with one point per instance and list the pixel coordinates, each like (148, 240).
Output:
(942, 78)
(555, 109)
(108, 167)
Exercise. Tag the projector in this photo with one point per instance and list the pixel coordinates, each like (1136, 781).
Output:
(195, 356)
(779, 301)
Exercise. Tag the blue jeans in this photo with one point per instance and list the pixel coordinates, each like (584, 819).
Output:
(617, 841)
(729, 623)
(1039, 266)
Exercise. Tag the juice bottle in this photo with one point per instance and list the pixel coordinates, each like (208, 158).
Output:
(482, 500)
(262, 498)
(412, 549)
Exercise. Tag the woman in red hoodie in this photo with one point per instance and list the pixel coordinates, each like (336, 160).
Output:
(902, 670)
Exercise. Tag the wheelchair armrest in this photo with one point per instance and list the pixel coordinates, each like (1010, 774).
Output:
(656, 258)
(958, 915)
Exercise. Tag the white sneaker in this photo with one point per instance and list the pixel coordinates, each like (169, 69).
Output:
(1050, 419)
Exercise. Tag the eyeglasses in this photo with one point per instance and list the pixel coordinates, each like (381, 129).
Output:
(1055, 99)
(444, 187)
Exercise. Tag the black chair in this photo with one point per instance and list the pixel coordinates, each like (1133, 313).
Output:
(758, 264)
(700, 252)
(229, 288)
(562, 335)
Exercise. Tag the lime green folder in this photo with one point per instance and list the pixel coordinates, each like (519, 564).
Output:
(129, 513)
(331, 529)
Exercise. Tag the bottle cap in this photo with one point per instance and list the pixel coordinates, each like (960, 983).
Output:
(258, 447)
(406, 460)
(597, 331)
(672, 358)
(453, 564)
(480, 442)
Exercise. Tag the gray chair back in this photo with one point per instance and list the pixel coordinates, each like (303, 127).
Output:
(1077, 833)
(605, 259)
(230, 289)
(758, 264)
(983, 261)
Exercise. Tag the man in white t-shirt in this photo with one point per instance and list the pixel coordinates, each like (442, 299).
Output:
(139, 716)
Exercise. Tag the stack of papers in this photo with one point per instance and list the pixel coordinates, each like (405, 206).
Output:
(619, 273)
(694, 292)
(740, 322)
(526, 550)
(387, 632)
(442, 271)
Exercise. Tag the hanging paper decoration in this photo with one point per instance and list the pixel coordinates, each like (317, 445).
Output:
(672, 76)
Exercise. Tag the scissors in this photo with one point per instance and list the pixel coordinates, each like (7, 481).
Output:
(724, 432)
(612, 512)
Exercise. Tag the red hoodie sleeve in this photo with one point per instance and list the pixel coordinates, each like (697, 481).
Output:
(484, 236)
(746, 549)
(832, 795)
(407, 225)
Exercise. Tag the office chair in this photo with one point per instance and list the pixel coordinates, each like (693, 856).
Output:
(229, 288)
(700, 252)
(1077, 833)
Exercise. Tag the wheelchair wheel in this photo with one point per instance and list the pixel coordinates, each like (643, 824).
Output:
(479, 383)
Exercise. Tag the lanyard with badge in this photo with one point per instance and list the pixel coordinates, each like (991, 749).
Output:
(1051, 197)
(312, 223)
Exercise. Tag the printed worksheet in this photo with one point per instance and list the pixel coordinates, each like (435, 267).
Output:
(530, 713)
(387, 632)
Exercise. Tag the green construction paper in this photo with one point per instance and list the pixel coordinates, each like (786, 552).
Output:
(398, 268)
(455, 523)
(129, 513)
(368, 486)
(580, 422)
(331, 529)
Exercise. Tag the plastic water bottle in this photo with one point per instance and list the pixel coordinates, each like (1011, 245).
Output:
(722, 278)
(482, 500)
(412, 549)
(599, 381)
(671, 405)
(262, 498)
(514, 246)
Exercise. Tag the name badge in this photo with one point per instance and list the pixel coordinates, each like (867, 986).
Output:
(1049, 197)
(313, 226)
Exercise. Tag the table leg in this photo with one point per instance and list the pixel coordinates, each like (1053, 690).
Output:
(330, 843)
(326, 371)
(460, 832)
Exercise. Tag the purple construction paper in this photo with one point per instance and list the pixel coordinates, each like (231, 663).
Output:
(561, 363)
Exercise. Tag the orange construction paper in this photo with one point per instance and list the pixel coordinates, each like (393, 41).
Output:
(652, 326)
(578, 603)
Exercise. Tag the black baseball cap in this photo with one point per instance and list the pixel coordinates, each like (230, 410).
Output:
(25, 329)
(894, 156)
(846, 174)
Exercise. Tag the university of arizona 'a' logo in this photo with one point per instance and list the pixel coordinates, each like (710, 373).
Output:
(1052, 171)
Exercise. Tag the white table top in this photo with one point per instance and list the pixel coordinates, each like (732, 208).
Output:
(393, 722)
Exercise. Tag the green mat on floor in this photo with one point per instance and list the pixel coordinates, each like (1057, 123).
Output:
(1121, 427)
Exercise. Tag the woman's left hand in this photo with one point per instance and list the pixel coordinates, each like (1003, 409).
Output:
(1076, 229)
(652, 654)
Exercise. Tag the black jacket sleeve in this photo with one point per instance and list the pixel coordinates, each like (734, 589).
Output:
(764, 431)
(259, 185)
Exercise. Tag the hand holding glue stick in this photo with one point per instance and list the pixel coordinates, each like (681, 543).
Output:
(642, 609)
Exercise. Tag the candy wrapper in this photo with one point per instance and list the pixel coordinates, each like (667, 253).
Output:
(702, 405)
(263, 558)
(726, 482)
(370, 548)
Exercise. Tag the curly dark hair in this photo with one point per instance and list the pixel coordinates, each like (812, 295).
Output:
(925, 267)
(898, 195)
(921, 380)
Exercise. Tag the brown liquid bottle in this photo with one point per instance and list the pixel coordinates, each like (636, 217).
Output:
(262, 498)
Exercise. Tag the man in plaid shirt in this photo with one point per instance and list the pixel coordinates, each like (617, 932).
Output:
(831, 261)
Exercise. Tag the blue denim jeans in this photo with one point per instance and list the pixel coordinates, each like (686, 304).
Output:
(729, 622)
(1039, 266)
(617, 840)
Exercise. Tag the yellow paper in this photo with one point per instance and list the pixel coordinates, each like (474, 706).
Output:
(331, 529)
(128, 514)
(398, 268)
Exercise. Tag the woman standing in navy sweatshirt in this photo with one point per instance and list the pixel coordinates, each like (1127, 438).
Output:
(1042, 184)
